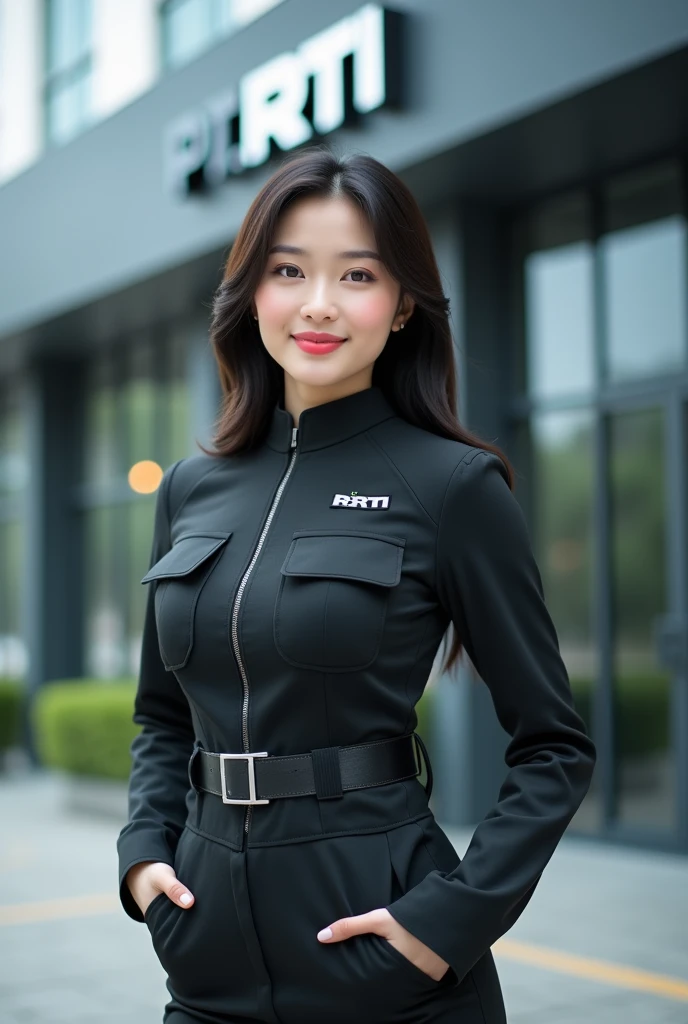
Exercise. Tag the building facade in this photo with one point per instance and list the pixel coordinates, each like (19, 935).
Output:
(546, 144)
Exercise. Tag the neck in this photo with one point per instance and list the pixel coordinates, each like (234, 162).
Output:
(299, 396)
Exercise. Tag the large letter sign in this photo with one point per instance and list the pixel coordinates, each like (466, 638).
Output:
(345, 71)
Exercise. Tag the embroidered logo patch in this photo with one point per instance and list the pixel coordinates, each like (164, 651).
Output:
(356, 500)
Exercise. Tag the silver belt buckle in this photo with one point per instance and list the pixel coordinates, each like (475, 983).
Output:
(251, 778)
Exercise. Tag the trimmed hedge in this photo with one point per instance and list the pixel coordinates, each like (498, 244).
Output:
(11, 705)
(642, 709)
(84, 727)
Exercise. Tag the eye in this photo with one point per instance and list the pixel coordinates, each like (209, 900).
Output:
(368, 276)
(286, 266)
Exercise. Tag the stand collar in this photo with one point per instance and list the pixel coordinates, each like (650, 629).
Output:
(329, 423)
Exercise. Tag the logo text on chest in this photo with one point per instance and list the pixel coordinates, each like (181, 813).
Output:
(356, 500)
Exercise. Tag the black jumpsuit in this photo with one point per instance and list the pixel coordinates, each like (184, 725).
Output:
(298, 595)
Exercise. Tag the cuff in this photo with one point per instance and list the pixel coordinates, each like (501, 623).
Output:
(426, 912)
(134, 848)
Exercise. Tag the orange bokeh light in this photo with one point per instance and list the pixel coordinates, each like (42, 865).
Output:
(144, 477)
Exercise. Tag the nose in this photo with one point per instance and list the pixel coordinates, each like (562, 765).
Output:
(318, 305)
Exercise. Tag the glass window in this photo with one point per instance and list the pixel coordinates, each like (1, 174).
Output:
(643, 258)
(176, 401)
(102, 458)
(140, 525)
(559, 450)
(68, 67)
(14, 477)
(190, 26)
(645, 772)
(105, 656)
(141, 391)
(558, 287)
(137, 410)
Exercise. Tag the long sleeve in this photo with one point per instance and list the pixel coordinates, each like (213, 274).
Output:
(160, 752)
(490, 585)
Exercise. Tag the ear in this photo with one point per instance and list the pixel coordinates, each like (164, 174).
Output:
(406, 308)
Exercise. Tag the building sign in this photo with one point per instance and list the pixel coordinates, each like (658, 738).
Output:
(332, 79)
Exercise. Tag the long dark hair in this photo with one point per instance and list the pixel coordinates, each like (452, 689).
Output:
(417, 373)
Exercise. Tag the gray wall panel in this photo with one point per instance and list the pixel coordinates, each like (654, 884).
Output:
(92, 217)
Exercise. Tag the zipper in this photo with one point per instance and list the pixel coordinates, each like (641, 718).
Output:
(237, 601)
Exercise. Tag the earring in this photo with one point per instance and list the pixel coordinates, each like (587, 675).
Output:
(401, 326)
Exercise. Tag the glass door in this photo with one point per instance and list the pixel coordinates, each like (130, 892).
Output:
(646, 629)
(599, 376)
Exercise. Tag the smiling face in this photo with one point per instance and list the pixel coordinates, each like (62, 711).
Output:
(323, 277)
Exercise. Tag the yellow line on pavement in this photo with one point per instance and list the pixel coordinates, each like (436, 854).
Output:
(592, 969)
(523, 952)
(59, 909)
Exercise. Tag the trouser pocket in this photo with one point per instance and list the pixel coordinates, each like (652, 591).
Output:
(297, 889)
(202, 948)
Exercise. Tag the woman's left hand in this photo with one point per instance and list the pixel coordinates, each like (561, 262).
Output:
(382, 923)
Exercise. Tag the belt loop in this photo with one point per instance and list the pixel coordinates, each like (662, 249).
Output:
(326, 773)
(189, 770)
(428, 766)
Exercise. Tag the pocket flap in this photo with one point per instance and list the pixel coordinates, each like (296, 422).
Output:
(185, 555)
(365, 557)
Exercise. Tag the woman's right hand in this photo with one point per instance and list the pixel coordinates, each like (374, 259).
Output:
(151, 877)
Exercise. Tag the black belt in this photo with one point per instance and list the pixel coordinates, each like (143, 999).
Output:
(327, 772)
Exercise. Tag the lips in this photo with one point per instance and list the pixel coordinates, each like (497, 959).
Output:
(317, 336)
(317, 343)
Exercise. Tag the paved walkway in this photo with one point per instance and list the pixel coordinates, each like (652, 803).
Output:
(604, 939)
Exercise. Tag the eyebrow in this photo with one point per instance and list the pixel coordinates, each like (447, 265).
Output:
(349, 254)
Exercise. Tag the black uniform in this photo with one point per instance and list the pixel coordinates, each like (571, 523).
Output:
(298, 596)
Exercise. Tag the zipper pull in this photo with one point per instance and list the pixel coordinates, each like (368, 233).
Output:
(294, 435)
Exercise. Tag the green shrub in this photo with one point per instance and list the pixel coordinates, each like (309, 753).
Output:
(84, 727)
(642, 703)
(11, 703)
(424, 712)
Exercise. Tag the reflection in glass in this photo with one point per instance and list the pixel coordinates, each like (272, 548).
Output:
(642, 687)
(137, 410)
(188, 27)
(13, 652)
(14, 477)
(644, 273)
(14, 462)
(559, 320)
(191, 26)
(176, 401)
(68, 24)
(558, 297)
(68, 110)
(140, 529)
(141, 394)
(562, 496)
(101, 455)
(68, 67)
(105, 654)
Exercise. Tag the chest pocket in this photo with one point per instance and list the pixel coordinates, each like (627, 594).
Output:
(179, 577)
(332, 599)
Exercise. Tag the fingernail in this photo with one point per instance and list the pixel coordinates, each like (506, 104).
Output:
(326, 933)
(185, 898)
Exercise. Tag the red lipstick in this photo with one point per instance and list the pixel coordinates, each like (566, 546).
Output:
(317, 342)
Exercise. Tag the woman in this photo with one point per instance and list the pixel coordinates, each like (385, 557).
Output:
(304, 572)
